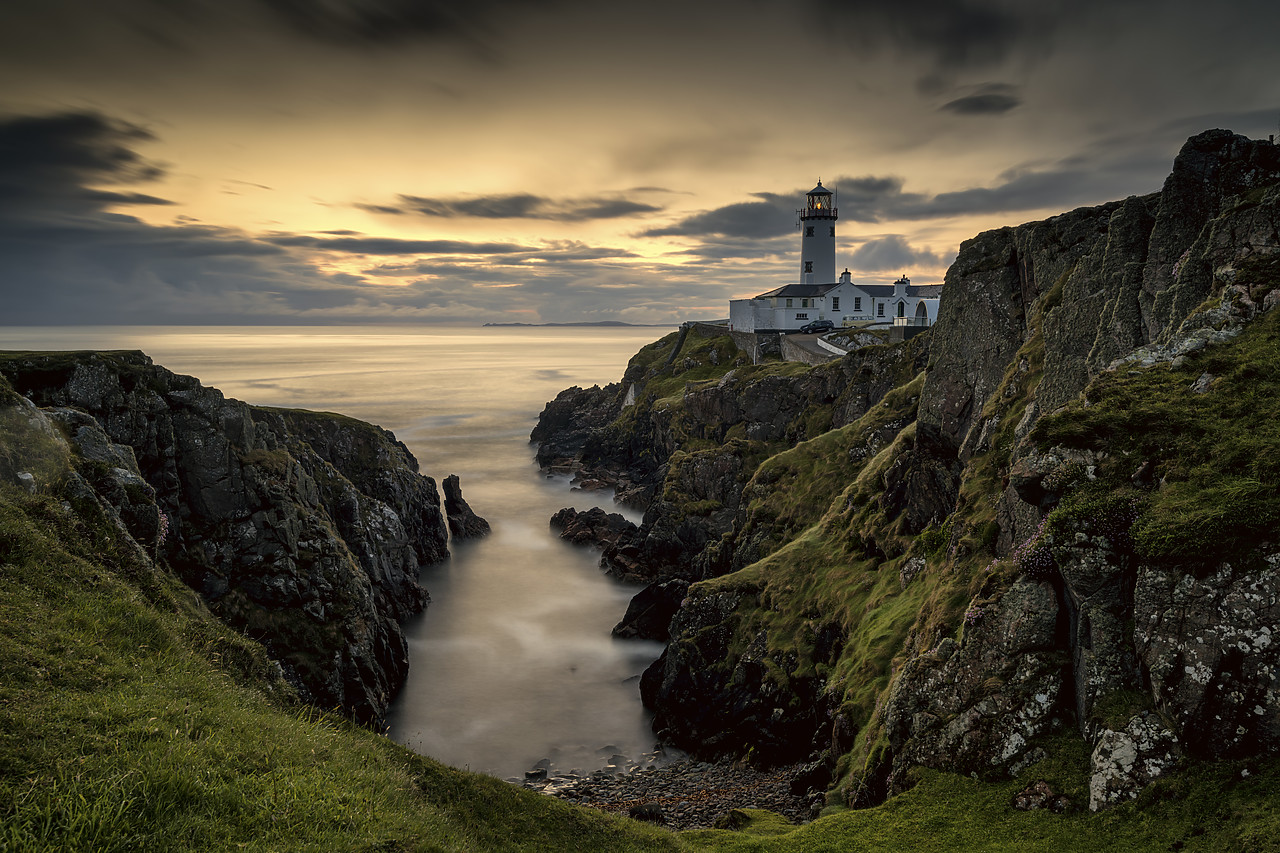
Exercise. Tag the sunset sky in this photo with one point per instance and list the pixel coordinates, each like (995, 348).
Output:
(353, 161)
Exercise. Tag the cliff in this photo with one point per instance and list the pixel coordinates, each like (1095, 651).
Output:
(1050, 517)
(303, 530)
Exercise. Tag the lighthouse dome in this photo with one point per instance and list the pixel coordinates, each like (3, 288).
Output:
(819, 190)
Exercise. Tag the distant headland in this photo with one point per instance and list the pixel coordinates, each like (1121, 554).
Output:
(596, 323)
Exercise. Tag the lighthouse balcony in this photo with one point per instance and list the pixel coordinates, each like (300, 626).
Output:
(818, 213)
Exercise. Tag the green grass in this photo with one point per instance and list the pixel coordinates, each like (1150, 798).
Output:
(1208, 809)
(1213, 488)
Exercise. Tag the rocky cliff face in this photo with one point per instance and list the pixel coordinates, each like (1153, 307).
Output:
(304, 530)
(688, 445)
(1064, 523)
(1122, 283)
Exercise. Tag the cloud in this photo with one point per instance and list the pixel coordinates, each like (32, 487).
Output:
(393, 246)
(860, 199)
(1102, 173)
(68, 260)
(772, 216)
(54, 162)
(516, 206)
(892, 252)
(108, 197)
(377, 22)
(988, 99)
(952, 35)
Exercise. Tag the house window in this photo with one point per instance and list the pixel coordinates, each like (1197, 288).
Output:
(880, 310)
(902, 309)
(802, 316)
(804, 303)
(808, 232)
(857, 303)
(808, 266)
(788, 303)
(835, 303)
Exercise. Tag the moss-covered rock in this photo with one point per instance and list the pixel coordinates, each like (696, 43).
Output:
(303, 530)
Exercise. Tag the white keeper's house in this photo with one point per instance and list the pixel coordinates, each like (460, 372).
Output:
(819, 295)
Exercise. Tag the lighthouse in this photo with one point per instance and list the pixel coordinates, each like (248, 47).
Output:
(818, 243)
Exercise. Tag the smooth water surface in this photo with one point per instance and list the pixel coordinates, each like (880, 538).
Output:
(513, 661)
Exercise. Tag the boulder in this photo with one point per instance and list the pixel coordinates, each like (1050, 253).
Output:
(1124, 762)
(593, 526)
(648, 616)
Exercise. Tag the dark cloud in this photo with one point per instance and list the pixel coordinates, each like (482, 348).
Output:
(892, 252)
(375, 22)
(990, 99)
(393, 246)
(516, 206)
(870, 198)
(949, 34)
(861, 199)
(1111, 169)
(753, 220)
(57, 161)
(108, 197)
(386, 209)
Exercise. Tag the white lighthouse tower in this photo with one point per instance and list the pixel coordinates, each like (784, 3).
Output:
(818, 243)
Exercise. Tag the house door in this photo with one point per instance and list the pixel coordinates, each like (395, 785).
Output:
(902, 309)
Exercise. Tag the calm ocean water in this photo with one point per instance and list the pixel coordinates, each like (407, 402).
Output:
(513, 661)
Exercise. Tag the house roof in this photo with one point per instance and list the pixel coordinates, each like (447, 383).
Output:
(807, 290)
(883, 291)
(922, 291)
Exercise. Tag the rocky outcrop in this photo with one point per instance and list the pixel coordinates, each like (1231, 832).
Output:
(1211, 649)
(463, 522)
(303, 530)
(1115, 287)
(661, 450)
(1068, 623)
(569, 421)
(713, 700)
(649, 614)
(593, 527)
(975, 706)
(1215, 170)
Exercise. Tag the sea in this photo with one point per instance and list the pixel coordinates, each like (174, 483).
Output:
(512, 663)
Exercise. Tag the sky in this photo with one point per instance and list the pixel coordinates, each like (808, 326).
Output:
(439, 161)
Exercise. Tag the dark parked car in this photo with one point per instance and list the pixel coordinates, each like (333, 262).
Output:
(817, 326)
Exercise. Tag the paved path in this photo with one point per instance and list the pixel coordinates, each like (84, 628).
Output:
(809, 343)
